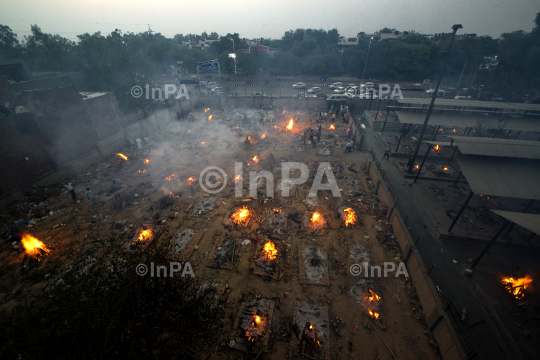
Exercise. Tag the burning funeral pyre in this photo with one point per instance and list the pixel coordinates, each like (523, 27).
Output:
(348, 215)
(516, 287)
(190, 180)
(368, 297)
(254, 322)
(167, 200)
(314, 222)
(239, 216)
(274, 219)
(35, 249)
(309, 339)
(266, 257)
(143, 238)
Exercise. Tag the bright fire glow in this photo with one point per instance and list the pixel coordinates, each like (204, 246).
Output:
(123, 156)
(263, 136)
(144, 235)
(373, 314)
(445, 168)
(236, 178)
(254, 160)
(144, 170)
(310, 327)
(417, 167)
(517, 287)
(257, 319)
(207, 109)
(32, 246)
(240, 215)
(350, 217)
(283, 112)
(203, 143)
(290, 126)
(210, 117)
(190, 180)
(332, 127)
(317, 220)
(270, 250)
(374, 297)
(170, 178)
(146, 161)
(172, 195)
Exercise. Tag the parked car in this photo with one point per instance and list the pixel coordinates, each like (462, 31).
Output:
(336, 85)
(350, 95)
(460, 97)
(216, 89)
(339, 90)
(314, 90)
(322, 95)
(353, 90)
(440, 93)
(300, 95)
(299, 85)
(258, 94)
(338, 97)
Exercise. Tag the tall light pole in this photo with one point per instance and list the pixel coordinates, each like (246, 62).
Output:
(364, 73)
(410, 164)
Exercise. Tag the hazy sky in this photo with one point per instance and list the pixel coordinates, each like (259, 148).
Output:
(267, 19)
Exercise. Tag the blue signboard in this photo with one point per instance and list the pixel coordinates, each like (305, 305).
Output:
(207, 65)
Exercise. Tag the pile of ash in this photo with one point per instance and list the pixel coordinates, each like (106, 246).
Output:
(314, 263)
(206, 205)
(182, 240)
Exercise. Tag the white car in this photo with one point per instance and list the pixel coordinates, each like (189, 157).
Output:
(350, 95)
(336, 85)
(368, 96)
(353, 90)
(314, 90)
(339, 90)
(299, 85)
(216, 89)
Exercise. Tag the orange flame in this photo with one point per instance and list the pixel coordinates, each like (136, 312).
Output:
(32, 246)
(351, 216)
(517, 287)
(417, 166)
(172, 195)
(263, 136)
(257, 319)
(332, 127)
(310, 327)
(290, 126)
(445, 168)
(374, 297)
(190, 180)
(240, 215)
(317, 220)
(373, 314)
(207, 109)
(254, 160)
(144, 170)
(170, 177)
(210, 117)
(283, 112)
(146, 161)
(123, 156)
(188, 131)
(236, 178)
(270, 250)
(144, 235)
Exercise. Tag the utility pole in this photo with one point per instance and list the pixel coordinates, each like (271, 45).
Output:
(462, 71)
(410, 164)
(367, 56)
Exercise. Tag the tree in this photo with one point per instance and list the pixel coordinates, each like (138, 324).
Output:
(9, 44)
(386, 30)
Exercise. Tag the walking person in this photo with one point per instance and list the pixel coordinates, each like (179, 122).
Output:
(319, 128)
(311, 135)
(349, 132)
(319, 135)
(349, 147)
(88, 194)
(314, 142)
(387, 153)
(70, 189)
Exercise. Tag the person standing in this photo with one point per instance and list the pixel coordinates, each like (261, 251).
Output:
(314, 142)
(311, 134)
(387, 153)
(349, 132)
(319, 134)
(88, 194)
(415, 130)
(319, 128)
(349, 147)
(70, 189)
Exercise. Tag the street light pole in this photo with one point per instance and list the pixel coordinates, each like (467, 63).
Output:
(364, 73)
(410, 164)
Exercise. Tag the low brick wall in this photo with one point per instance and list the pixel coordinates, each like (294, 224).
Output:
(437, 319)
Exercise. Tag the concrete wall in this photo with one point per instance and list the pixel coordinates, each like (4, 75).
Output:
(437, 319)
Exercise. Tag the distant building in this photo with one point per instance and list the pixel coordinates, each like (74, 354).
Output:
(262, 49)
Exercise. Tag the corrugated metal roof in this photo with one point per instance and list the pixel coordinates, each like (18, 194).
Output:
(528, 221)
(498, 176)
(497, 147)
(472, 104)
(461, 120)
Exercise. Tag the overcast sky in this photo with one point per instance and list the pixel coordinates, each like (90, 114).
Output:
(267, 19)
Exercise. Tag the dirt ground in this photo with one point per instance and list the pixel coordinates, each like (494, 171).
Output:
(182, 150)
